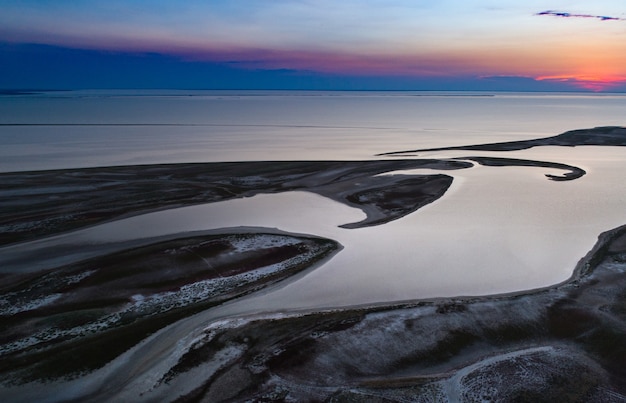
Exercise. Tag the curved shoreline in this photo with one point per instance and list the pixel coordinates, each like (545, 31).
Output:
(90, 196)
(98, 308)
(504, 327)
(572, 333)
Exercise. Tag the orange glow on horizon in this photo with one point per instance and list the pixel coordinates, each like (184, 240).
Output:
(592, 65)
(588, 82)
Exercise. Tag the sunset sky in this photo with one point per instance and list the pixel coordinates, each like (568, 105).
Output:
(314, 44)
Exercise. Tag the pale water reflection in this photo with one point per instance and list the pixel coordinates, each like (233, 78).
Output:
(102, 128)
(496, 230)
(500, 229)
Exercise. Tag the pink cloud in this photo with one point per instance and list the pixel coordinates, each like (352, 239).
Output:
(343, 63)
(592, 83)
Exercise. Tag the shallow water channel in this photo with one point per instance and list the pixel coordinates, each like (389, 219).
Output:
(496, 230)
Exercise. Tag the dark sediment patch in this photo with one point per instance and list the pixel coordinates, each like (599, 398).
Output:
(386, 198)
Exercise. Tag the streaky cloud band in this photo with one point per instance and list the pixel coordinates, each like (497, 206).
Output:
(564, 14)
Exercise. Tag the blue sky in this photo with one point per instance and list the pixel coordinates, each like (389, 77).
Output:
(370, 44)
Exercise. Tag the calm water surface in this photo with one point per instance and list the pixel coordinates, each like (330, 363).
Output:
(73, 128)
(497, 229)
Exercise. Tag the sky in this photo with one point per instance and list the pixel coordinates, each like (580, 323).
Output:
(530, 45)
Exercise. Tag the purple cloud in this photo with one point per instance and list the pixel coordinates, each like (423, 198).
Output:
(564, 14)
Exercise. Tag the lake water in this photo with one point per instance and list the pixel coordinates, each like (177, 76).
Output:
(73, 129)
(498, 229)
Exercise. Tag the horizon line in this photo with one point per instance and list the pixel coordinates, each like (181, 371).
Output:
(26, 91)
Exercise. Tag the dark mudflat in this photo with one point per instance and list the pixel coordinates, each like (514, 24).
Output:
(37, 204)
(562, 343)
(76, 318)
